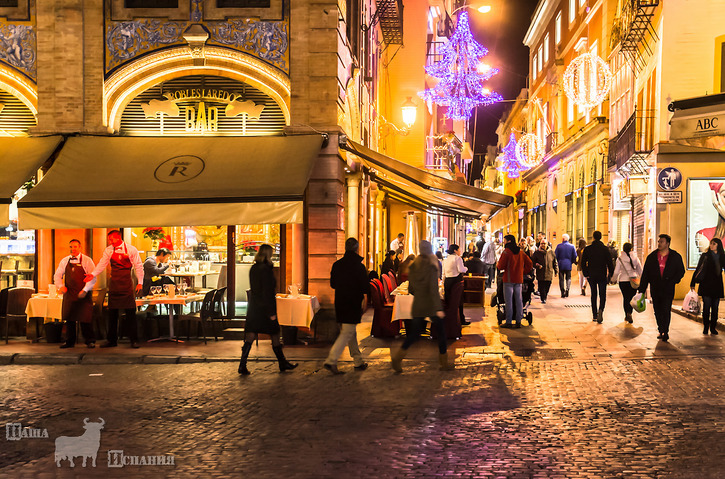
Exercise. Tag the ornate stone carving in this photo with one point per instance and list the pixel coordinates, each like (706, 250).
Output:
(268, 40)
(126, 40)
(18, 48)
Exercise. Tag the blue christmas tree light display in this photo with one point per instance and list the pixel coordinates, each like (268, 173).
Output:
(461, 80)
(511, 164)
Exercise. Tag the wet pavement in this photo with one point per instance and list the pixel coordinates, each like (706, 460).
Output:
(565, 397)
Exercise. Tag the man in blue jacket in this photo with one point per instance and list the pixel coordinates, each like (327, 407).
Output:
(566, 257)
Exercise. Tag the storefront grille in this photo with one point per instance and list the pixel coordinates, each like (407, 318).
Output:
(639, 229)
(15, 116)
(591, 213)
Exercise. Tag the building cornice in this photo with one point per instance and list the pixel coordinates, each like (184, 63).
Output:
(540, 20)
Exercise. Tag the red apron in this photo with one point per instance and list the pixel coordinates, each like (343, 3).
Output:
(74, 308)
(120, 289)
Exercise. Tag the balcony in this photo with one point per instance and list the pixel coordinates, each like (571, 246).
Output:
(634, 142)
(390, 16)
(442, 153)
(552, 139)
(633, 29)
(433, 54)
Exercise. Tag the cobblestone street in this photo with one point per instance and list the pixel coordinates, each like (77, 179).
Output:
(509, 410)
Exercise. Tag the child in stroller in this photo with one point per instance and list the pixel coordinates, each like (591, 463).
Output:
(497, 300)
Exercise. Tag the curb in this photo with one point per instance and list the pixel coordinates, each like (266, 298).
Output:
(697, 318)
(97, 359)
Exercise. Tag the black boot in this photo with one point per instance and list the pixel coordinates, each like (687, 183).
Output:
(706, 324)
(713, 326)
(243, 362)
(284, 365)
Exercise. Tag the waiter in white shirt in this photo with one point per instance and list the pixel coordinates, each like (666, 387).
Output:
(122, 257)
(398, 243)
(453, 270)
(77, 302)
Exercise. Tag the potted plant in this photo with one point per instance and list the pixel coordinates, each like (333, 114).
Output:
(155, 235)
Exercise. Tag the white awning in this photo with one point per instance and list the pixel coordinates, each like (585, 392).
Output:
(99, 182)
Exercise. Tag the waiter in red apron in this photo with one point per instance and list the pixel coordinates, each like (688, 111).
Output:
(122, 257)
(77, 302)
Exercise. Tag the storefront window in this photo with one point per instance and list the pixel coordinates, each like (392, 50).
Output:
(17, 248)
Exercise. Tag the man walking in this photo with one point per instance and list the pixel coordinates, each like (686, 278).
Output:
(349, 279)
(566, 257)
(488, 256)
(77, 303)
(597, 267)
(662, 270)
(122, 257)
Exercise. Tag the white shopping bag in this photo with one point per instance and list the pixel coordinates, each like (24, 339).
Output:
(639, 302)
(691, 303)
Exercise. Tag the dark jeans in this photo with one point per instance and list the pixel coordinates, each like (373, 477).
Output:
(662, 306)
(130, 324)
(598, 286)
(544, 287)
(416, 327)
(710, 308)
(490, 271)
(86, 329)
(447, 285)
(564, 280)
(628, 293)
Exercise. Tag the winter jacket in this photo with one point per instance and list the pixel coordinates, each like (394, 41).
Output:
(262, 302)
(626, 268)
(565, 256)
(709, 274)
(514, 263)
(475, 266)
(662, 285)
(597, 261)
(547, 261)
(349, 279)
(423, 285)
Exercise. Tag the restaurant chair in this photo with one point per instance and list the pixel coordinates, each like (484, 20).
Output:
(205, 314)
(99, 322)
(387, 288)
(381, 289)
(452, 320)
(219, 303)
(383, 326)
(394, 281)
(15, 311)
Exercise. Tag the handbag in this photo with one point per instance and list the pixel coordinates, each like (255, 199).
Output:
(633, 280)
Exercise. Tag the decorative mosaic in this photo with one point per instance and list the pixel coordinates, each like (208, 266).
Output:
(18, 48)
(267, 40)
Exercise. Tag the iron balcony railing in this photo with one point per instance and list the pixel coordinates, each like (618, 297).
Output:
(635, 138)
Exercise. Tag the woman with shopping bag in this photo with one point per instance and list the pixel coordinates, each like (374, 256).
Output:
(709, 275)
(627, 272)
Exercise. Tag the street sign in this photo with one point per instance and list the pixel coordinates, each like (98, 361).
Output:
(666, 197)
(669, 178)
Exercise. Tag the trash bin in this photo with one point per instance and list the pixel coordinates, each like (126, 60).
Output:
(289, 335)
(53, 331)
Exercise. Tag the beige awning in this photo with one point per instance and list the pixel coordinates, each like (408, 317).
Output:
(101, 182)
(427, 191)
(698, 122)
(20, 159)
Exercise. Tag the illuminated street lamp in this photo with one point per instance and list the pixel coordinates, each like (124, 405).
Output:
(481, 9)
(410, 111)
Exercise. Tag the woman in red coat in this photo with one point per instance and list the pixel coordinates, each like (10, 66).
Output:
(514, 263)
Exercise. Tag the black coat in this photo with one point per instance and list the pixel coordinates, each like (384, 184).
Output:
(662, 285)
(262, 302)
(387, 266)
(596, 261)
(474, 265)
(349, 279)
(709, 276)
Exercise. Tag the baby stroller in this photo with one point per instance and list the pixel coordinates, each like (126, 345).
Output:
(497, 300)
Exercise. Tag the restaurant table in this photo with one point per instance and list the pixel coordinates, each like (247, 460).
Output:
(403, 302)
(43, 306)
(182, 274)
(181, 300)
(296, 311)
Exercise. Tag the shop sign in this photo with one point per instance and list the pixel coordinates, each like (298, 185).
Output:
(669, 178)
(705, 215)
(698, 122)
(667, 197)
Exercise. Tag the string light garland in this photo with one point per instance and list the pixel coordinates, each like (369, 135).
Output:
(461, 75)
(529, 150)
(510, 163)
(587, 80)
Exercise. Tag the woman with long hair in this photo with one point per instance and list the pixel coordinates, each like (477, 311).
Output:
(262, 309)
(453, 269)
(627, 272)
(709, 274)
(582, 279)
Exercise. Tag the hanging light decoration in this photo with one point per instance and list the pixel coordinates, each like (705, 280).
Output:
(461, 75)
(510, 163)
(587, 80)
(529, 150)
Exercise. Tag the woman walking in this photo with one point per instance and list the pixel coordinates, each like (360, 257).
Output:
(453, 269)
(262, 309)
(709, 274)
(582, 278)
(546, 267)
(627, 272)
(423, 285)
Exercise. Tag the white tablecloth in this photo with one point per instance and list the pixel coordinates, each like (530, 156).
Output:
(402, 306)
(297, 311)
(41, 306)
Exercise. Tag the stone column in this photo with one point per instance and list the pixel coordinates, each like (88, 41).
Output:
(353, 205)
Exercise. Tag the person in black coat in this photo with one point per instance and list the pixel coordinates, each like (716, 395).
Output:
(262, 309)
(662, 270)
(390, 263)
(349, 279)
(709, 274)
(598, 268)
(474, 264)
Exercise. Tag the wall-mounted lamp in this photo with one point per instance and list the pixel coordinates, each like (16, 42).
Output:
(410, 111)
